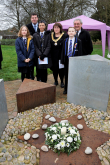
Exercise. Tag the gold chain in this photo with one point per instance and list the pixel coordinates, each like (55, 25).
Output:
(55, 40)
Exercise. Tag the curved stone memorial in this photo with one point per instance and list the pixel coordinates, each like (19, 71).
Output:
(3, 108)
(89, 81)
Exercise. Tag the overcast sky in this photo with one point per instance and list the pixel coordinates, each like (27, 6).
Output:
(3, 23)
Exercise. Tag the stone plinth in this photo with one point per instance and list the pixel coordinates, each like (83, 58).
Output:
(3, 108)
(34, 93)
(89, 81)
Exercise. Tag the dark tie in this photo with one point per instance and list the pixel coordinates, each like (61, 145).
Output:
(77, 34)
(41, 35)
(25, 43)
(70, 49)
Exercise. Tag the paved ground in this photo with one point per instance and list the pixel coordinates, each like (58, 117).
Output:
(11, 88)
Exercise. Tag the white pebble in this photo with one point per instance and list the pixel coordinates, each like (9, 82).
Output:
(80, 126)
(88, 150)
(27, 136)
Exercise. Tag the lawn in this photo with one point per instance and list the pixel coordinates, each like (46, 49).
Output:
(9, 64)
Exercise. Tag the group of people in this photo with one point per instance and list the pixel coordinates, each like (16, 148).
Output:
(36, 46)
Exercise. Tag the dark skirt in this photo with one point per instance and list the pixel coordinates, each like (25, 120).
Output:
(24, 69)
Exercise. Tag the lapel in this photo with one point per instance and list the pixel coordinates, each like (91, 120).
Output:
(32, 28)
(67, 47)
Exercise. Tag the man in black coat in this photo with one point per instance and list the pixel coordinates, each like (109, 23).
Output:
(33, 28)
(84, 36)
(1, 58)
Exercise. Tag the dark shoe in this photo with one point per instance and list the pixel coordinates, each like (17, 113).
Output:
(64, 92)
(62, 85)
(56, 83)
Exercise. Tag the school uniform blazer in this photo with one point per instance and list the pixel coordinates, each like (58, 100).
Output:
(45, 50)
(23, 54)
(77, 49)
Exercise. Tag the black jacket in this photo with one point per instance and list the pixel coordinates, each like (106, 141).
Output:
(56, 51)
(45, 50)
(77, 49)
(31, 29)
(1, 57)
(85, 38)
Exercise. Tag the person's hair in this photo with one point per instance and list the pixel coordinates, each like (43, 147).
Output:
(78, 19)
(34, 14)
(20, 33)
(42, 21)
(72, 27)
(59, 25)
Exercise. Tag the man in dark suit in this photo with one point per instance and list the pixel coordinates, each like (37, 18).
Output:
(84, 36)
(33, 28)
(71, 48)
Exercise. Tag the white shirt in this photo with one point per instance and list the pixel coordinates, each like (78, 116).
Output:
(79, 32)
(36, 26)
(73, 40)
(42, 32)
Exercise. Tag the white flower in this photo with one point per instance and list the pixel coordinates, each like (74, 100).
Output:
(62, 143)
(58, 135)
(67, 124)
(58, 146)
(63, 124)
(54, 128)
(67, 144)
(69, 139)
(54, 137)
(75, 139)
(69, 128)
(72, 131)
(52, 140)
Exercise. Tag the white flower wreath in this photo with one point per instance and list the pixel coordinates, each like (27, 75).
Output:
(63, 143)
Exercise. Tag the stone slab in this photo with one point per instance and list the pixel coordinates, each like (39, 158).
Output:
(90, 138)
(89, 81)
(3, 108)
(34, 93)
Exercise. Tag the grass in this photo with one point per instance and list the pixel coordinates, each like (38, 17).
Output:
(9, 64)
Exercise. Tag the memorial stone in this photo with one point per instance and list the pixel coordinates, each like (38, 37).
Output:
(89, 81)
(3, 108)
(34, 93)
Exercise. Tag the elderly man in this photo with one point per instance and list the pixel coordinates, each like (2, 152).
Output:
(33, 28)
(84, 36)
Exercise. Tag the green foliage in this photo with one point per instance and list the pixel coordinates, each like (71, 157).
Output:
(7, 42)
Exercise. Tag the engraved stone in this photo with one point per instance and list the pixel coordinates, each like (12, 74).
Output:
(79, 126)
(88, 150)
(44, 126)
(89, 84)
(3, 108)
(27, 136)
(79, 117)
(35, 136)
(47, 116)
(52, 119)
(44, 148)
